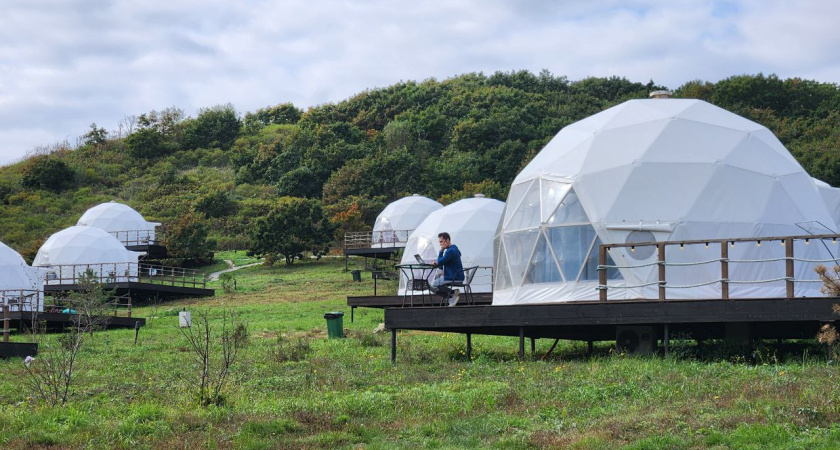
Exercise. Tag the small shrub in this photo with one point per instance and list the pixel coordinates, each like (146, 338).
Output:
(240, 335)
(292, 349)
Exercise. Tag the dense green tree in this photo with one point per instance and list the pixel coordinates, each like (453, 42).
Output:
(48, 173)
(295, 226)
(216, 204)
(285, 113)
(146, 143)
(300, 182)
(216, 127)
(186, 239)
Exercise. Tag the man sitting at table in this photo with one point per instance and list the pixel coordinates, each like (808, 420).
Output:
(449, 259)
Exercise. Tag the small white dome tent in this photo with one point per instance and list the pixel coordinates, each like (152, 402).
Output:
(122, 221)
(655, 170)
(472, 223)
(21, 286)
(396, 222)
(71, 252)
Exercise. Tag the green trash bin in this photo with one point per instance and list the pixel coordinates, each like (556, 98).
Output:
(335, 324)
(357, 275)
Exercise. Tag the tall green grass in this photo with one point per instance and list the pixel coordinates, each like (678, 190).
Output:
(294, 388)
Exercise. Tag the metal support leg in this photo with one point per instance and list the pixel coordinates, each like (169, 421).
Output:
(352, 310)
(590, 349)
(533, 346)
(521, 343)
(394, 346)
(469, 346)
(666, 339)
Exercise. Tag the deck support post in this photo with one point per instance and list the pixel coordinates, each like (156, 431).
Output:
(469, 346)
(521, 343)
(789, 267)
(393, 346)
(602, 273)
(352, 310)
(724, 270)
(590, 348)
(661, 248)
(6, 320)
(666, 339)
(533, 346)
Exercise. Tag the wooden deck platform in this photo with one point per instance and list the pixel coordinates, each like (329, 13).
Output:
(395, 301)
(139, 290)
(777, 318)
(18, 349)
(153, 251)
(58, 321)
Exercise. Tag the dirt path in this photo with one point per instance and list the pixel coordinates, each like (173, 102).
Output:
(215, 275)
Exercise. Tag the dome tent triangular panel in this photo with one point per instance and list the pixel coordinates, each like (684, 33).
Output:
(120, 220)
(90, 247)
(688, 170)
(471, 223)
(395, 223)
(19, 280)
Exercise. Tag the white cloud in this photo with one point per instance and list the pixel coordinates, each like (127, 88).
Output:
(64, 65)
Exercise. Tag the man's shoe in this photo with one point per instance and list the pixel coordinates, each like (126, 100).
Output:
(453, 300)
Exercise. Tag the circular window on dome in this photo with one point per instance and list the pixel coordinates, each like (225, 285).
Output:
(644, 251)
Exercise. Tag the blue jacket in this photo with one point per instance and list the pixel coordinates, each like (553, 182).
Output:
(450, 261)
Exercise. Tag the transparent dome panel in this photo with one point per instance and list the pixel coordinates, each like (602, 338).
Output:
(502, 271)
(552, 193)
(571, 245)
(542, 268)
(518, 247)
(527, 214)
(514, 198)
(570, 211)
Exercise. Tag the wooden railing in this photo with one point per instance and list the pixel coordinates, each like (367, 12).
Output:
(723, 245)
(20, 300)
(139, 237)
(380, 239)
(107, 273)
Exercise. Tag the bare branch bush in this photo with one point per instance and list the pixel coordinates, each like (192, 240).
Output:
(214, 351)
(51, 375)
(828, 334)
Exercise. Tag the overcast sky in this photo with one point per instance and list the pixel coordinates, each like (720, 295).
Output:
(65, 64)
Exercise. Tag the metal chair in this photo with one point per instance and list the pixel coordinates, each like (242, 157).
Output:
(469, 274)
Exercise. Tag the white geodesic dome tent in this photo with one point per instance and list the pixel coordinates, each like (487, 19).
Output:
(396, 222)
(21, 286)
(122, 221)
(656, 170)
(471, 223)
(69, 253)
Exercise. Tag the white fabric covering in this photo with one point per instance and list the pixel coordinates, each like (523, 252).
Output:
(396, 222)
(17, 278)
(81, 246)
(471, 223)
(658, 169)
(121, 220)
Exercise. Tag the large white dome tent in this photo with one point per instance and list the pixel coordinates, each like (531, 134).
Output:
(72, 251)
(654, 170)
(396, 222)
(472, 223)
(20, 281)
(122, 221)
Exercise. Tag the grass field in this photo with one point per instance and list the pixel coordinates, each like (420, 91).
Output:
(291, 387)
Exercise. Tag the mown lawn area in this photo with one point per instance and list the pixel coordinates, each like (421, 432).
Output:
(291, 387)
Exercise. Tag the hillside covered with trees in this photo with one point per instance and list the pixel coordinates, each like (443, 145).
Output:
(232, 176)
